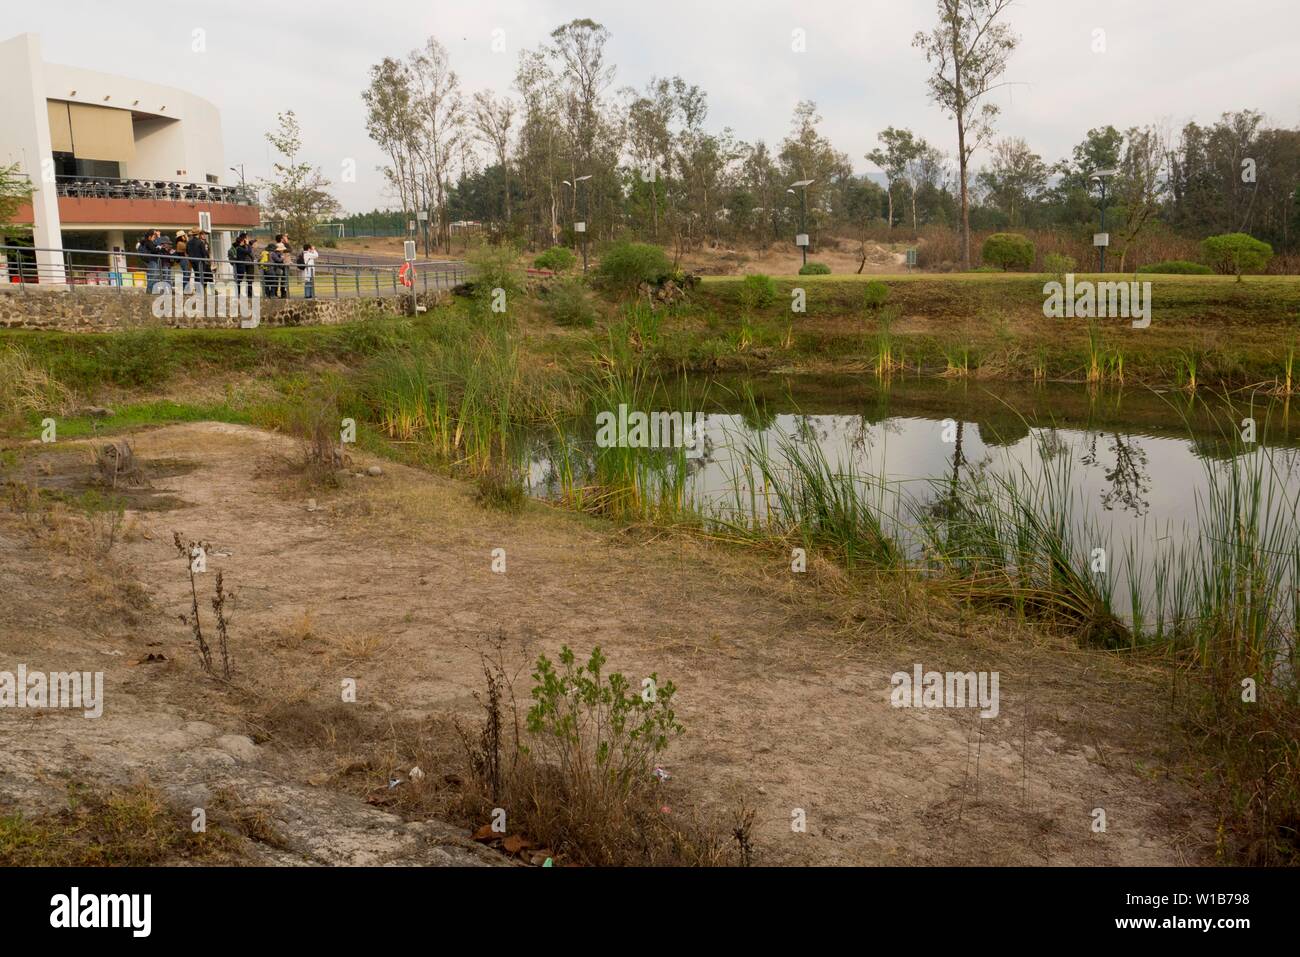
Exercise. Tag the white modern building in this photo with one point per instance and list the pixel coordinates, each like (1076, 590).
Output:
(110, 157)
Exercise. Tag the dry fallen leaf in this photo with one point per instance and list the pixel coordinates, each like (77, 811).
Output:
(486, 834)
(514, 844)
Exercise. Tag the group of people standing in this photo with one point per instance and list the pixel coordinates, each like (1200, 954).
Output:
(188, 253)
(191, 255)
(272, 262)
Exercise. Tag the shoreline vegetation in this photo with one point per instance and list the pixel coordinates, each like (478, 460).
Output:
(455, 389)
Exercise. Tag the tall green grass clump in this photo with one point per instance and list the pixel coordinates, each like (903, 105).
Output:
(645, 481)
(1023, 540)
(792, 491)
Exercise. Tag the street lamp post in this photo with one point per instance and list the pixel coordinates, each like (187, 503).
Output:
(1099, 177)
(802, 238)
(582, 225)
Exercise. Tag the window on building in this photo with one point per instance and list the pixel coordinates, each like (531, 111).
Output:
(66, 164)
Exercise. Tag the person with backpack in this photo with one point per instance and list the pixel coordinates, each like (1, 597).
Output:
(182, 260)
(264, 265)
(307, 263)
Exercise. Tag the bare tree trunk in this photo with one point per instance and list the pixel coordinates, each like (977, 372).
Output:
(965, 195)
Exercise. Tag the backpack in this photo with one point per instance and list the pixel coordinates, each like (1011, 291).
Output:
(233, 254)
(301, 262)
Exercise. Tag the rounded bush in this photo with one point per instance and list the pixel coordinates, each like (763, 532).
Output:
(624, 266)
(556, 259)
(815, 269)
(1178, 267)
(1236, 253)
(1008, 251)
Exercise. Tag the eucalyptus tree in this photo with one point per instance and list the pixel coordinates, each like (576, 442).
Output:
(968, 51)
(900, 147)
(493, 120)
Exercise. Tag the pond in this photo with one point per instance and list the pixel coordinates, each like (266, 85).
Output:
(1145, 477)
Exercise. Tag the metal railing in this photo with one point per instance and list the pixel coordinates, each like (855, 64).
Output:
(26, 269)
(105, 187)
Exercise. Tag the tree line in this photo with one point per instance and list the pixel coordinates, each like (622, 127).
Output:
(565, 144)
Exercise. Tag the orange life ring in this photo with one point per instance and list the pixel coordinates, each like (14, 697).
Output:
(406, 275)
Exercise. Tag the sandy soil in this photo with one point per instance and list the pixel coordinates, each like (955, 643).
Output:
(843, 256)
(784, 678)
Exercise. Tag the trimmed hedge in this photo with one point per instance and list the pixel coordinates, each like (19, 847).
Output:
(1178, 267)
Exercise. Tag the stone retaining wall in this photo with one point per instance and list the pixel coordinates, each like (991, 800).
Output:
(95, 309)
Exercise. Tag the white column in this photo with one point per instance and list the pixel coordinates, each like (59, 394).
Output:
(25, 123)
(220, 246)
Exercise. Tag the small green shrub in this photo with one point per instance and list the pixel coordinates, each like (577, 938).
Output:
(600, 729)
(1178, 267)
(494, 267)
(875, 295)
(556, 259)
(624, 266)
(569, 304)
(814, 269)
(757, 291)
(1008, 251)
(1058, 264)
(1236, 253)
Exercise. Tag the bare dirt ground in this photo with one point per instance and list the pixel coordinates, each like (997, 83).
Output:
(843, 256)
(784, 678)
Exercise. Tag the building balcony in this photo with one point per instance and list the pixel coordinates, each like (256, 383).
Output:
(103, 202)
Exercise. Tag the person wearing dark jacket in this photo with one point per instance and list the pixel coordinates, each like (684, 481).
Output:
(279, 272)
(147, 249)
(241, 259)
(200, 258)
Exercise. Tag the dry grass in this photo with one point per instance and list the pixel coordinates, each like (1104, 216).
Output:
(26, 387)
(126, 827)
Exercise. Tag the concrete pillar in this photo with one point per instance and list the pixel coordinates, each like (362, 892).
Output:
(25, 120)
(220, 246)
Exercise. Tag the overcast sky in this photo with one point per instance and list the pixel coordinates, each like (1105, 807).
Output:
(1164, 60)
